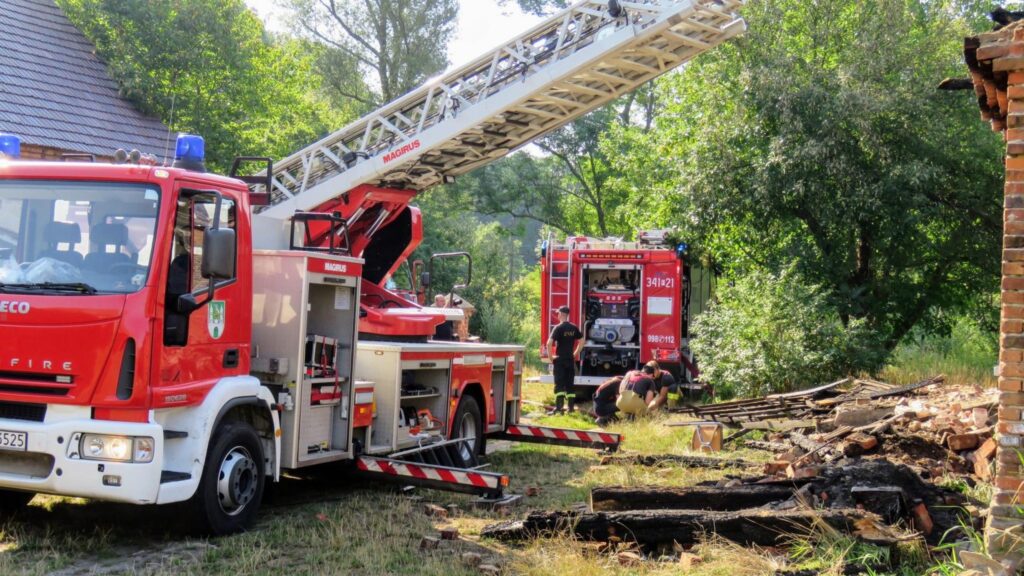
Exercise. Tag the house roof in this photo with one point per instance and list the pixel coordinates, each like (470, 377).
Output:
(55, 92)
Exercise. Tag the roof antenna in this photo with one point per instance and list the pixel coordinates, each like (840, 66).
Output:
(167, 141)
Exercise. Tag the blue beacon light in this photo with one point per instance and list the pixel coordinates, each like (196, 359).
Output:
(10, 146)
(190, 152)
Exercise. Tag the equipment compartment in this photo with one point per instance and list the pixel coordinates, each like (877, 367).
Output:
(306, 320)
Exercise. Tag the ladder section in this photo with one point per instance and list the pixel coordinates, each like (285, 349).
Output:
(573, 63)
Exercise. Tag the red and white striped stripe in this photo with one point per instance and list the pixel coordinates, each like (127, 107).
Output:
(427, 472)
(564, 434)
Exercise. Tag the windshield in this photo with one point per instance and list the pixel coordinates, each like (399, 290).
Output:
(80, 237)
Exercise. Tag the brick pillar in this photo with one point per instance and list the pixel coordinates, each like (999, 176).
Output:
(996, 62)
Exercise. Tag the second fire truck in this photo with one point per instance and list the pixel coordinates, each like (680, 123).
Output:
(633, 300)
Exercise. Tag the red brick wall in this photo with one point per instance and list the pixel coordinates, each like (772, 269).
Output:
(34, 152)
(996, 62)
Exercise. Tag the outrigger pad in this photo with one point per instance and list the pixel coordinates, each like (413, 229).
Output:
(507, 501)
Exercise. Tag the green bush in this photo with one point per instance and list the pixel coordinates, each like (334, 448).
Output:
(769, 333)
(512, 316)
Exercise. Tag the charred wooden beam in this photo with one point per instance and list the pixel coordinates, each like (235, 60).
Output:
(678, 461)
(956, 84)
(607, 498)
(1003, 17)
(685, 527)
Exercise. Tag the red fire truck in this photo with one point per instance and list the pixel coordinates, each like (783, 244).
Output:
(632, 300)
(167, 334)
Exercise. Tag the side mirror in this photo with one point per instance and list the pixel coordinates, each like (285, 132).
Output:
(424, 280)
(218, 254)
(218, 261)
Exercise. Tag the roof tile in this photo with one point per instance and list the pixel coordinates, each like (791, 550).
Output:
(56, 92)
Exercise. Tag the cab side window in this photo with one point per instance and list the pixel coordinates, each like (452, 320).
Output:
(192, 217)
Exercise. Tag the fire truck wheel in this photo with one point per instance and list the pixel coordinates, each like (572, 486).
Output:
(231, 487)
(14, 500)
(469, 424)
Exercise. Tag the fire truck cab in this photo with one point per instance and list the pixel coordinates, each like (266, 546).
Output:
(127, 291)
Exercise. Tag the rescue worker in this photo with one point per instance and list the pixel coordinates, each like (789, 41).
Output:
(604, 401)
(636, 392)
(446, 329)
(664, 384)
(563, 345)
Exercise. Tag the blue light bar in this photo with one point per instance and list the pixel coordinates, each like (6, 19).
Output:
(681, 248)
(190, 148)
(10, 146)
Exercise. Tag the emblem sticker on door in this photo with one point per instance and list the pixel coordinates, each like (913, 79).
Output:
(215, 319)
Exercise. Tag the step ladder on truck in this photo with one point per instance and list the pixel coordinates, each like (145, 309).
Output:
(171, 334)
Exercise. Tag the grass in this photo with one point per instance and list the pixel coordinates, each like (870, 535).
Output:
(966, 356)
(326, 522)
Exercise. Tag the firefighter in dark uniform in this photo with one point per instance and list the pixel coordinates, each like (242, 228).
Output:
(604, 401)
(563, 346)
(664, 383)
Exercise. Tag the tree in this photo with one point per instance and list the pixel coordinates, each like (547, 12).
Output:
(772, 333)
(567, 186)
(206, 66)
(818, 138)
(401, 42)
(539, 7)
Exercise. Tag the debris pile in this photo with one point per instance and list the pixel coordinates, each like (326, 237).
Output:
(935, 430)
(861, 456)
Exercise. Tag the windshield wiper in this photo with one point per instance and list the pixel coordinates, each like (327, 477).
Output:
(79, 287)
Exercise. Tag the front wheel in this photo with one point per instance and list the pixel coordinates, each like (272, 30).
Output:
(231, 487)
(469, 424)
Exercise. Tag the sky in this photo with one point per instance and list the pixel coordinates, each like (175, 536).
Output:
(482, 25)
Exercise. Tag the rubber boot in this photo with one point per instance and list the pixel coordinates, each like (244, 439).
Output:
(559, 403)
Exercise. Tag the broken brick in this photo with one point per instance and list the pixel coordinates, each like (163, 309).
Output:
(922, 520)
(434, 511)
(961, 442)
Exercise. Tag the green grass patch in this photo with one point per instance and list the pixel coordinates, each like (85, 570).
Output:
(966, 356)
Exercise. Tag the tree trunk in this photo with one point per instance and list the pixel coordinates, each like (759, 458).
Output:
(757, 527)
(608, 498)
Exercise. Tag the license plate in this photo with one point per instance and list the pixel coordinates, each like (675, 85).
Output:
(13, 440)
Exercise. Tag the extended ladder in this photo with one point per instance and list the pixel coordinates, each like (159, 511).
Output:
(573, 63)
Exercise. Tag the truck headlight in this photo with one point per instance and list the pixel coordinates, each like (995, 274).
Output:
(116, 448)
(143, 450)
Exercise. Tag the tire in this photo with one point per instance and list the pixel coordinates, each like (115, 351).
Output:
(12, 501)
(469, 423)
(231, 487)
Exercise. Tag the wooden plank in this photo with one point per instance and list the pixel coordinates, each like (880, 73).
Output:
(606, 498)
